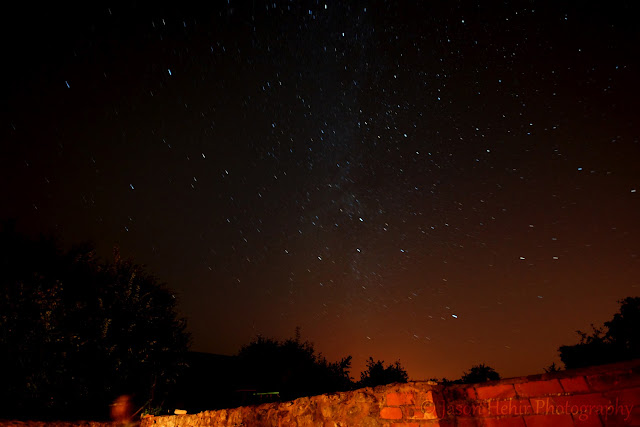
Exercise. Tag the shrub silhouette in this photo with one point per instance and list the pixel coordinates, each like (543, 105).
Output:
(292, 368)
(76, 332)
(619, 339)
(479, 374)
(378, 374)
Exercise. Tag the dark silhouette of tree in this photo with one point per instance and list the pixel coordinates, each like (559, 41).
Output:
(618, 340)
(76, 332)
(291, 368)
(479, 374)
(552, 368)
(378, 374)
(623, 331)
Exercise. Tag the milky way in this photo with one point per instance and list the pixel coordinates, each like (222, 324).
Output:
(444, 185)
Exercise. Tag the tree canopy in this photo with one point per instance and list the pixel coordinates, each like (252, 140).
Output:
(618, 340)
(479, 374)
(378, 374)
(76, 332)
(292, 368)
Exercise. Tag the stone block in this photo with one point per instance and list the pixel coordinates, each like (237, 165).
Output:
(613, 381)
(391, 413)
(538, 388)
(574, 385)
(499, 391)
(399, 399)
(564, 420)
(504, 422)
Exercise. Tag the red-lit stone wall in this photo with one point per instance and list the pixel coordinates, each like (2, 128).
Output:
(607, 395)
(12, 423)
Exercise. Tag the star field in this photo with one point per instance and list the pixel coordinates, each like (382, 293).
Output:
(441, 184)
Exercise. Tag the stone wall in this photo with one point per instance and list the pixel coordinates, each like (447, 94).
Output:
(10, 423)
(607, 395)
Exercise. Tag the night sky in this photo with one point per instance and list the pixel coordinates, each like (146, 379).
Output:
(443, 183)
